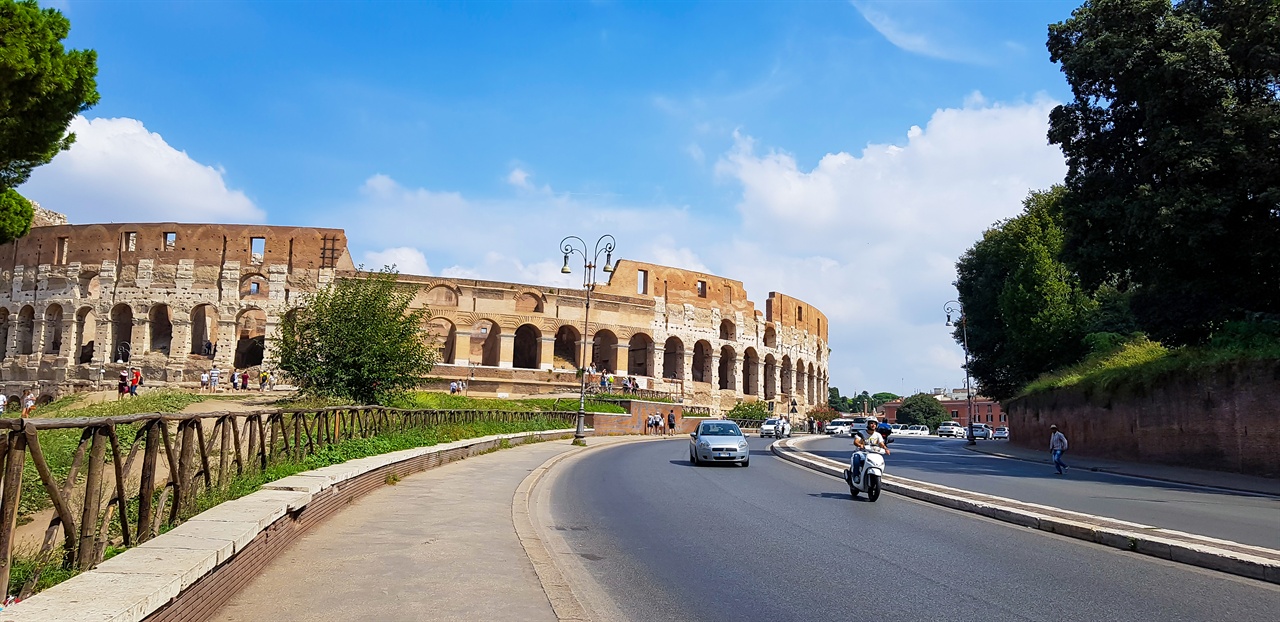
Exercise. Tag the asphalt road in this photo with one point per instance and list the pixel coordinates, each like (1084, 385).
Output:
(1240, 517)
(670, 541)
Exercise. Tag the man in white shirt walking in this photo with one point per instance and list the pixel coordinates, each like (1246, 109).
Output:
(1057, 445)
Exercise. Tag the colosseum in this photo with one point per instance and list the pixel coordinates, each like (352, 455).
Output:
(83, 302)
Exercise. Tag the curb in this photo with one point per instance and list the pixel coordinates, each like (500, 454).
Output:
(1164, 544)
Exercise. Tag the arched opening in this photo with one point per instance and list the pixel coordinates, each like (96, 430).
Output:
(441, 296)
(251, 338)
(770, 377)
(444, 335)
(486, 340)
(799, 379)
(673, 359)
(639, 355)
(787, 377)
(254, 287)
(121, 333)
(750, 372)
(161, 321)
(53, 329)
(770, 337)
(702, 362)
(727, 371)
(728, 331)
(44, 400)
(4, 333)
(604, 351)
(528, 303)
(204, 330)
(86, 335)
(26, 326)
(527, 348)
(13, 404)
(566, 348)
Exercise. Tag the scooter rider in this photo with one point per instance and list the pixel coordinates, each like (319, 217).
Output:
(874, 443)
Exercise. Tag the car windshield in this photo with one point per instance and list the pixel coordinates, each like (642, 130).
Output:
(719, 429)
(770, 421)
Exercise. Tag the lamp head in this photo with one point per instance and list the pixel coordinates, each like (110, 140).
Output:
(949, 319)
(608, 262)
(565, 269)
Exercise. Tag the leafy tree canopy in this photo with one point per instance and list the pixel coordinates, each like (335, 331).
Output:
(879, 399)
(42, 87)
(1172, 142)
(1025, 312)
(750, 410)
(922, 409)
(356, 339)
(15, 215)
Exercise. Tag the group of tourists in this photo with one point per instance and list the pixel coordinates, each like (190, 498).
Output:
(607, 381)
(457, 386)
(128, 383)
(654, 424)
(241, 380)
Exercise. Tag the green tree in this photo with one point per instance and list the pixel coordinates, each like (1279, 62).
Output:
(356, 339)
(42, 88)
(922, 409)
(1173, 157)
(880, 399)
(15, 215)
(1025, 312)
(754, 411)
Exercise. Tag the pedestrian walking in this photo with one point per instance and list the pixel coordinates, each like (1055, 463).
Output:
(235, 379)
(1057, 445)
(453, 387)
(135, 379)
(122, 385)
(204, 381)
(671, 422)
(4, 401)
(244, 380)
(213, 379)
(28, 403)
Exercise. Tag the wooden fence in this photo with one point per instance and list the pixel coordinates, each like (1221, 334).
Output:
(111, 503)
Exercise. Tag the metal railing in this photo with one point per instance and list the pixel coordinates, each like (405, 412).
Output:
(117, 502)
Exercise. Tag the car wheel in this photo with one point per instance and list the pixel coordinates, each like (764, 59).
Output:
(746, 463)
(693, 458)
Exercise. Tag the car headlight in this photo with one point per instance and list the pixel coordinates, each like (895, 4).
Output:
(742, 444)
(704, 444)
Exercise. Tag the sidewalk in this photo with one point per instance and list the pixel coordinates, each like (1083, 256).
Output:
(438, 545)
(1184, 475)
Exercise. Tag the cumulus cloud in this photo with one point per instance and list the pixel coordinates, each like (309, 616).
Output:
(118, 171)
(406, 260)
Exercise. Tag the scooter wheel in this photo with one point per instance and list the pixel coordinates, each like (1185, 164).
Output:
(873, 487)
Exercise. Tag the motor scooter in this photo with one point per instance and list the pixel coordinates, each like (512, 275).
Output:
(869, 476)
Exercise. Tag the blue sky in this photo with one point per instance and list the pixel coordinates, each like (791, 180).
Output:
(845, 153)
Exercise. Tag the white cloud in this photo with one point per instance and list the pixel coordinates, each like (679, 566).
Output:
(519, 178)
(406, 260)
(913, 37)
(117, 171)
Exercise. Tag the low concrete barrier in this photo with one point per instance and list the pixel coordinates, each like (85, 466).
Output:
(1222, 555)
(192, 571)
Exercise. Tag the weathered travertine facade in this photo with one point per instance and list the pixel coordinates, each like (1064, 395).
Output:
(81, 302)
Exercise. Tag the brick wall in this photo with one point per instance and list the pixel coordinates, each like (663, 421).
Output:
(1223, 419)
(610, 424)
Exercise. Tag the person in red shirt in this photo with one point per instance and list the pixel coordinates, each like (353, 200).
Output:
(134, 381)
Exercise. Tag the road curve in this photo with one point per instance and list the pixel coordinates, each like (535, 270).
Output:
(1239, 517)
(669, 541)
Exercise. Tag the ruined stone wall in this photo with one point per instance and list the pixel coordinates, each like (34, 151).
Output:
(81, 302)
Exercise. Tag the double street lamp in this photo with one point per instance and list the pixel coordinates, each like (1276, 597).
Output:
(954, 307)
(570, 245)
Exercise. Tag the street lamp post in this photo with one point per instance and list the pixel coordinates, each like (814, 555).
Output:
(570, 245)
(951, 307)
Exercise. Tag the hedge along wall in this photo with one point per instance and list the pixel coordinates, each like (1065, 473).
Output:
(1225, 419)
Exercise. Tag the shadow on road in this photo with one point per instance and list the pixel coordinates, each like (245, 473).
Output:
(835, 495)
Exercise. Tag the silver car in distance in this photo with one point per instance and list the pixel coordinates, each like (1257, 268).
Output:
(718, 441)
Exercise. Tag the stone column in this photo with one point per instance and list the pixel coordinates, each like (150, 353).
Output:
(688, 367)
(622, 354)
(547, 356)
(714, 379)
(103, 344)
(228, 336)
(139, 339)
(506, 350)
(38, 324)
(68, 348)
(180, 346)
(659, 357)
(462, 347)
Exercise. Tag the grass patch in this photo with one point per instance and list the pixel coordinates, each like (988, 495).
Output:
(446, 401)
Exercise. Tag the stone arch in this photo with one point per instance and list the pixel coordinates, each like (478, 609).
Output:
(445, 335)
(4, 332)
(121, 333)
(728, 331)
(566, 350)
(86, 334)
(89, 284)
(527, 349)
(787, 376)
(160, 319)
(673, 359)
(26, 329)
(640, 355)
(486, 343)
(53, 328)
(770, 337)
(702, 361)
(728, 361)
(254, 287)
(204, 329)
(251, 337)
(770, 377)
(750, 372)
(604, 351)
(442, 296)
(528, 302)
(13, 404)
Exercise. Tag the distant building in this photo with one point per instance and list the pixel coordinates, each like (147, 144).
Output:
(986, 410)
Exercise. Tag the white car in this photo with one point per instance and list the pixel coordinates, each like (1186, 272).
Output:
(777, 428)
(838, 426)
(916, 430)
(952, 429)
